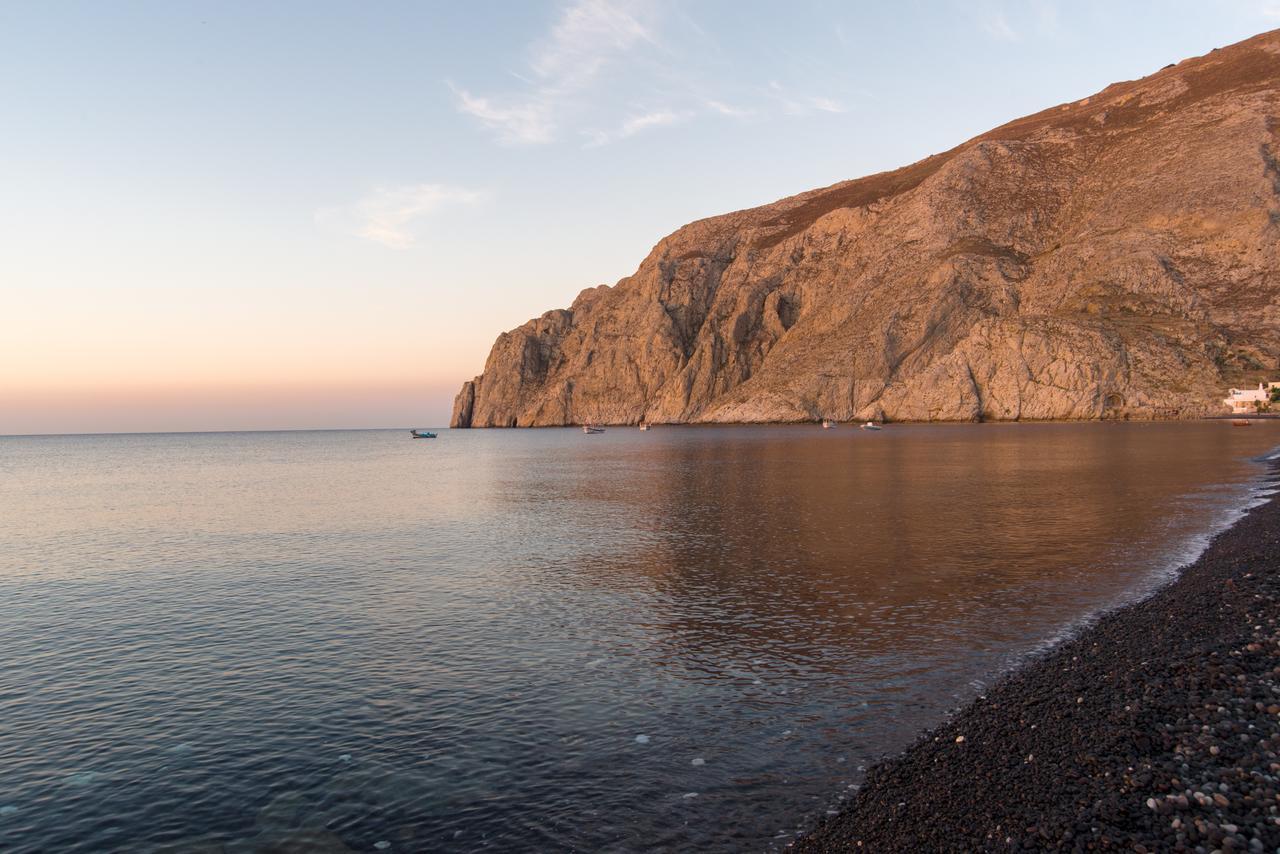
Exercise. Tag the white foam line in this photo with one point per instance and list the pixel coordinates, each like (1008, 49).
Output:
(1256, 493)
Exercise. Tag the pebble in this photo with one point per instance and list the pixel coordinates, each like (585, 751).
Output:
(642, 739)
(698, 761)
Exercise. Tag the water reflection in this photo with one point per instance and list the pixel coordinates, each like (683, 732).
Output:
(682, 638)
(793, 540)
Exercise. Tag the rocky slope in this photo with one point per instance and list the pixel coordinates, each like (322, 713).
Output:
(1112, 257)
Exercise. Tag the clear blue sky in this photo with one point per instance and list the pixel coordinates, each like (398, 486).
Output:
(265, 215)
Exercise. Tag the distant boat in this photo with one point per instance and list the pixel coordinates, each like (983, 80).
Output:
(871, 425)
(827, 425)
(644, 426)
(422, 434)
(587, 428)
(1241, 422)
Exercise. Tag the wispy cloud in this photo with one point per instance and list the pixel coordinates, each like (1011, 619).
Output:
(801, 104)
(529, 120)
(1269, 9)
(826, 105)
(1047, 17)
(634, 125)
(996, 25)
(729, 110)
(392, 216)
(1006, 21)
(601, 58)
(587, 37)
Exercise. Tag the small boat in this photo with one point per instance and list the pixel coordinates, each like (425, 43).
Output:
(1241, 422)
(827, 425)
(644, 426)
(422, 434)
(871, 425)
(587, 428)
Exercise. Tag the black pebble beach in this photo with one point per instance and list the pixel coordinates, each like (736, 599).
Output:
(1155, 729)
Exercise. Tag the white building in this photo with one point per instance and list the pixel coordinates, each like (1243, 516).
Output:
(1245, 399)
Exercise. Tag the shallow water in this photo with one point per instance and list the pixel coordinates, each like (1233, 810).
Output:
(685, 638)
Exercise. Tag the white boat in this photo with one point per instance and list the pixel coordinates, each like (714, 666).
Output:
(827, 425)
(871, 425)
(587, 428)
(644, 426)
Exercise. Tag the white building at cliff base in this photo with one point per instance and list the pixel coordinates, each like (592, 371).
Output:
(1246, 399)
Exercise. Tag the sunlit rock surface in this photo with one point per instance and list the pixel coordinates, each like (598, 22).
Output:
(1111, 257)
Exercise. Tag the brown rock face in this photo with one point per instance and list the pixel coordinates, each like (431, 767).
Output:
(1112, 257)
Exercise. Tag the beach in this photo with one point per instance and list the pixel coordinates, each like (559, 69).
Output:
(1156, 728)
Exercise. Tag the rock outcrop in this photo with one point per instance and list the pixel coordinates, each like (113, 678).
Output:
(1112, 257)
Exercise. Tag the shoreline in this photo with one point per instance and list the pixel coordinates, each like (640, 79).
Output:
(1265, 416)
(1155, 726)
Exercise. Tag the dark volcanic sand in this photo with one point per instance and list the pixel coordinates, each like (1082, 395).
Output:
(1157, 729)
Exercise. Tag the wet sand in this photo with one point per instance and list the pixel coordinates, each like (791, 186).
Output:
(1155, 729)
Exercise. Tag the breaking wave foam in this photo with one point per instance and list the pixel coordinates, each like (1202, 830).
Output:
(1172, 562)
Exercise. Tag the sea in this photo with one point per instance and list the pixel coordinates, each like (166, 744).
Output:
(690, 638)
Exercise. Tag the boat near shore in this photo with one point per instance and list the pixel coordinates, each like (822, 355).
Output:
(421, 434)
(589, 429)
(871, 425)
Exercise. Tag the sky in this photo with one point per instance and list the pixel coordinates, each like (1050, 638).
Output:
(243, 215)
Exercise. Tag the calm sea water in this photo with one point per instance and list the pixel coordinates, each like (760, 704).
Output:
(691, 638)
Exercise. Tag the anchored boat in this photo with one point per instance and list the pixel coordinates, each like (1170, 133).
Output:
(587, 428)
(422, 434)
(871, 425)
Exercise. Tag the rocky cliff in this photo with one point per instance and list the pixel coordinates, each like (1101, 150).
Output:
(1111, 257)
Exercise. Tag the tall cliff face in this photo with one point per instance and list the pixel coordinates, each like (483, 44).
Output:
(1115, 256)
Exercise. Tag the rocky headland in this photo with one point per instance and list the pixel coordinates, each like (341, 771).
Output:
(1116, 256)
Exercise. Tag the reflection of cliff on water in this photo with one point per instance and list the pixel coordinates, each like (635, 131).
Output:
(824, 550)
(684, 639)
